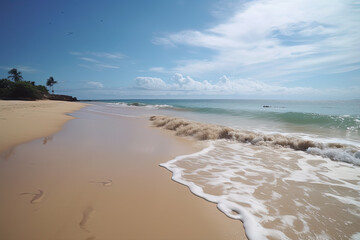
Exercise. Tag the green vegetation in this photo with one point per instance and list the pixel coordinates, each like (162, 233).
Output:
(50, 83)
(20, 89)
(15, 75)
(14, 87)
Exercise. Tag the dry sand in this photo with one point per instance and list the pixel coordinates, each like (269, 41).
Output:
(22, 121)
(98, 178)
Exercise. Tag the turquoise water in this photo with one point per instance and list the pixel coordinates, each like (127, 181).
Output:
(338, 119)
(351, 107)
(286, 169)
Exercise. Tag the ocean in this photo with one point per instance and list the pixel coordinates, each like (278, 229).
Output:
(286, 169)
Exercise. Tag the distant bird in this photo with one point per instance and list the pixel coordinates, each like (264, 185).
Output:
(69, 33)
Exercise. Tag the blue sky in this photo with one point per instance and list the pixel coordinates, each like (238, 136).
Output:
(300, 49)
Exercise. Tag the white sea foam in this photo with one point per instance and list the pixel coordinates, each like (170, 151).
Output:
(253, 229)
(103, 111)
(336, 150)
(343, 155)
(356, 236)
(140, 105)
(158, 106)
(122, 104)
(276, 192)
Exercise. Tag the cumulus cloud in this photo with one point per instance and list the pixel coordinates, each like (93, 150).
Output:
(280, 37)
(95, 84)
(151, 83)
(222, 87)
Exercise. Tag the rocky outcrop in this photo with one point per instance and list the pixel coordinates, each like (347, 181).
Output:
(61, 97)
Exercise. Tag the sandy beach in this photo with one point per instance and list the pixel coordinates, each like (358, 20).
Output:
(188, 120)
(22, 121)
(97, 178)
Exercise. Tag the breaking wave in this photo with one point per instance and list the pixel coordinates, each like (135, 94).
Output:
(202, 131)
(140, 104)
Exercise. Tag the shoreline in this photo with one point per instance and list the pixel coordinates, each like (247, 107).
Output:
(250, 182)
(23, 121)
(107, 182)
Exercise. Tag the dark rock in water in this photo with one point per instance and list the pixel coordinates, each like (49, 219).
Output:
(266, 106)
(61, 97)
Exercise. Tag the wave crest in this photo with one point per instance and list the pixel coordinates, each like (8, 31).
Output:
(140, 104)
(203, 131)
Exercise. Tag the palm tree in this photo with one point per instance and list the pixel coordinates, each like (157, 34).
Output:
(15, 75)
(50, 82)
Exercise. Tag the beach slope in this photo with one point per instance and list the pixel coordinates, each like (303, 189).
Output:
(99, 178)
(22, 121)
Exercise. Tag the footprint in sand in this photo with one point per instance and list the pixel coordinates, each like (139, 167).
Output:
(107, 183)
(38, 197)
(86, 215)
(8, 153)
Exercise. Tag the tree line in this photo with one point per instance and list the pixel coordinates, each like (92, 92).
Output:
(15, 87)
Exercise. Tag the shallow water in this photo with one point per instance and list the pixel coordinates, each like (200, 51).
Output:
(303, 183)
(329, 119)
(277, 192)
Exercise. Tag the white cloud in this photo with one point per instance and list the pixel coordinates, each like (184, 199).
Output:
(21, 68)
(96, 84)
(187, 83)
(157, 69)
(113, 55)
(99, 60)
(109, 55)
(107, 66)
(88, 59)
(151, 83)
(224, 86)
(289, 36)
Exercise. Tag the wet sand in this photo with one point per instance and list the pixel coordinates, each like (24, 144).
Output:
(99, 178)
(22, 121)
